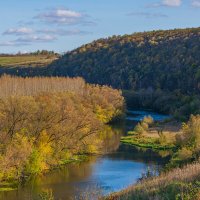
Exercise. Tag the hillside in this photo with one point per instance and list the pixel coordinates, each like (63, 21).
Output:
(167, 60)
(159, 70)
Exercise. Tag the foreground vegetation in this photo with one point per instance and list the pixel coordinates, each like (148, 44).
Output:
(180, 184)
(47, 122)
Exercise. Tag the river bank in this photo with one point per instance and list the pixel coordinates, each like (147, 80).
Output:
(160, 135)
(48, 122)
(179, 183)
(119, 168)
(181, 177)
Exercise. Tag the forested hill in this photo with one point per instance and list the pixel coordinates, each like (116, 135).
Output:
(167, 60)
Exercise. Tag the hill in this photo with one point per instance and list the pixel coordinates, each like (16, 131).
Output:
(166, 60)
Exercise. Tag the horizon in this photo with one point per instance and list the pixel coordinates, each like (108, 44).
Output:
(63, 26)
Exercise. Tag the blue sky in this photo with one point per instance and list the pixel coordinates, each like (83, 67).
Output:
(62, 25)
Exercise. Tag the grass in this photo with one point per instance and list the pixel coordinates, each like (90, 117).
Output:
(160, 136)
(146, 142)
(180, 183)
(26, 60)
(4, 189)
(6, 186)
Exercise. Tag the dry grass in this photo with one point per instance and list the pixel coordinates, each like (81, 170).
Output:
(172, 126)
(186, 174)
(169, 131)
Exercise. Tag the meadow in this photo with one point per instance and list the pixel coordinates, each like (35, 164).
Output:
(26, 60)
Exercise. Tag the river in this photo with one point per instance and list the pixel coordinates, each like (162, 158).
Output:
(120, 167)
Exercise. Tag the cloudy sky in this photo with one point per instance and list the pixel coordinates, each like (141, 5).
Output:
(62, 25)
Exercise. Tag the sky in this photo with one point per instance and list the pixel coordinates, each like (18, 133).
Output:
(62, 25)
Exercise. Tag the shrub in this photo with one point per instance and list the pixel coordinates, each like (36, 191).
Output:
(189, 139)
(139, 129)
(184, 154)
(148, 120)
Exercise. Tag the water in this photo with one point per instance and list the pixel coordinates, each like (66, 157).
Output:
(137, 115)
(120, 168)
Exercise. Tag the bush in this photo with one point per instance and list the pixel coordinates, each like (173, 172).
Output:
(184, 154)
(139, 129)
(189, 139)
(148, 120)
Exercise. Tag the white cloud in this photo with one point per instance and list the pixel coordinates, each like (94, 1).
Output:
(63, 16)
(28, 40)
(12, 43)
(18, 31)
(167, 3)
(7, 43)
(67, 13)
(148, 15)
(36, 38)
(27, 36)
(63, 32)
(196, 3)
(172, 3)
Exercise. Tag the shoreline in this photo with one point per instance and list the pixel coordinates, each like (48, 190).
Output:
(10, 186)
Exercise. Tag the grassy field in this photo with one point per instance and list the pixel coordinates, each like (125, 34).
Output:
(26, 60)
(147, 142)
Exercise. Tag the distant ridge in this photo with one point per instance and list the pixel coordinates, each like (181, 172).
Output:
(168, 60)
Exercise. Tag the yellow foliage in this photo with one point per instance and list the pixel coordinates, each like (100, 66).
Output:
(14, 158)
(43, 145)
(47, 121)
(184, 154)
(104, 115)
(92, 148)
